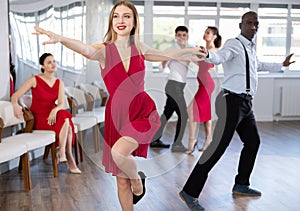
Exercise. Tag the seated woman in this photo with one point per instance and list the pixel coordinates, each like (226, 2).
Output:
(46, 90)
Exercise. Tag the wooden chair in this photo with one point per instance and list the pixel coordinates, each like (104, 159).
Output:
(31, 140)
(81, 104)
(25, 101)
(11, 151)
(99, 95)
(83, 124)
(103, 91)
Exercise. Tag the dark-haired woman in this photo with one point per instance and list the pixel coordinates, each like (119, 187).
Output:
(47, 107)
(199, 109)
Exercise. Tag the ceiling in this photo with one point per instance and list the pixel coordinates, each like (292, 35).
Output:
(23, 1)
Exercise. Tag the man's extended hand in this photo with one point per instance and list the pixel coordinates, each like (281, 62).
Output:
(287, 61)
(202, 52)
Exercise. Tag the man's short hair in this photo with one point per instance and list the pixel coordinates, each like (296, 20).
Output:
(181, 28)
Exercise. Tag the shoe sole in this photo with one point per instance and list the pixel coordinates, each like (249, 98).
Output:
(136, 198)
(185, 202)
(245, 194)
(182, 197)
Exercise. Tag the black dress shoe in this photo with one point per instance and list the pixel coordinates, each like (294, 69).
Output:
(136, 198)
(159, 144)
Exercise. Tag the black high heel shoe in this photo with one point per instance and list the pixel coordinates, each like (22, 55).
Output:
(137, 198)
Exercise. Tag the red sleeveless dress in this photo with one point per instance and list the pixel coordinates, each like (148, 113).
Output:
(129, 111)
(43, 101)
(202, 104)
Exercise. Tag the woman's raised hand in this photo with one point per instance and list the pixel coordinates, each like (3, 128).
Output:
(200, 52)
(53, 38)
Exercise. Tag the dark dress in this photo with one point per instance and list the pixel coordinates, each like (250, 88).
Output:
(129, 111)
(202, 104)
(43, 101)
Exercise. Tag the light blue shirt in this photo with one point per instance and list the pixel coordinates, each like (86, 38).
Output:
(232, 57)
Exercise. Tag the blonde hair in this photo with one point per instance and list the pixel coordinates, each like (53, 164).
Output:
(111, 35)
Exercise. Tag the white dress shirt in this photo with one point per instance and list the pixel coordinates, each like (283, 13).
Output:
(232, 57)
(178, 69)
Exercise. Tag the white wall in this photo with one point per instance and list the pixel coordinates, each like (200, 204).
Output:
(96, 24)
(4, 52)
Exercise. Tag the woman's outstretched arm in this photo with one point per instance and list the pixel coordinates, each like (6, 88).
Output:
(154, 55)
(93, 52)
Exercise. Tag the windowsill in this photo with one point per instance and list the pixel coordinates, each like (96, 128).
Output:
(263, 74)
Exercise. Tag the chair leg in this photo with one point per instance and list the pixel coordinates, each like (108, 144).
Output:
(20, 166)
(26, 171)
(80, 141)
(97, 138)
(46, 152)
(76, 149)
(54, 161)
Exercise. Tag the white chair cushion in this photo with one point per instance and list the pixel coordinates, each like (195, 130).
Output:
(10, 151)
(99, 109)
(31, 140)
(99, 115)
(50, 132)
(84, 123)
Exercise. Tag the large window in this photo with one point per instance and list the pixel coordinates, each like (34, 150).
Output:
(196, 30)
(295, 38)
(21, 25)
(202, 8)
(166, 18)
(277, 35)
(164, 31)
(271, 42)
(68, 20)
(271, 39)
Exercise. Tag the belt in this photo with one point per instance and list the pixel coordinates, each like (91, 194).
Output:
(242, 95)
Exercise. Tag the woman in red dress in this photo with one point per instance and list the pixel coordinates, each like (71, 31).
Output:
(199, 109)
(131, 119)
(46, 89)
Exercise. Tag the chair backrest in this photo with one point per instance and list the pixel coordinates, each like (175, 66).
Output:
(99, 84)
(102, 90)
(8, 118)
(7, 114)
(25, 101)
(94, 91)
(83, 99)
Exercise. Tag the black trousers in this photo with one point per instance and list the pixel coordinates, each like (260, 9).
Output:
(234, 114)
(175, 103)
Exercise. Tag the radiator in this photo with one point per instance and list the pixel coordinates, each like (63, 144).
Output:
(290, 101)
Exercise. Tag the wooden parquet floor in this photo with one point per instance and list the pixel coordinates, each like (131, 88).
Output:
(276, 174)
